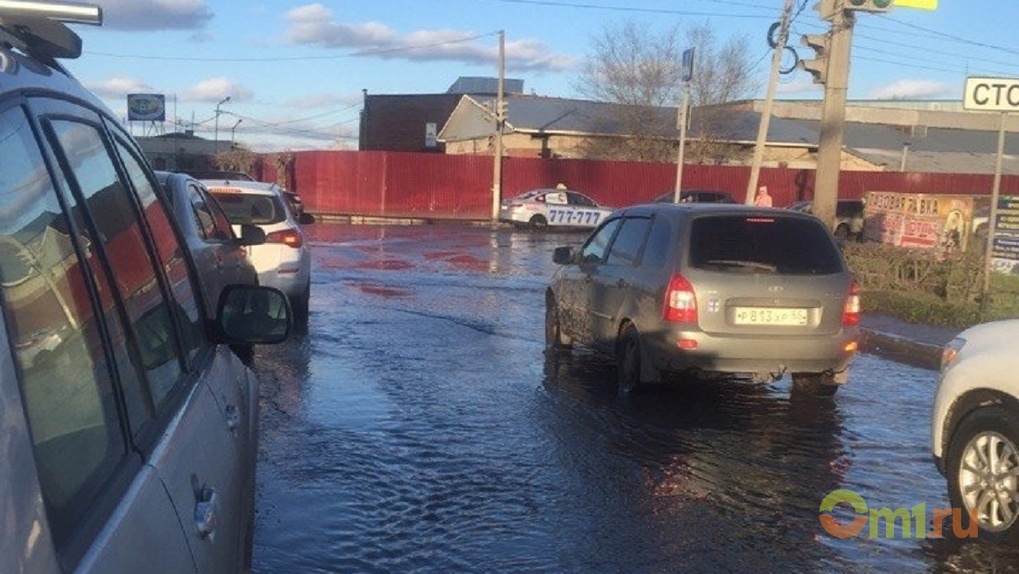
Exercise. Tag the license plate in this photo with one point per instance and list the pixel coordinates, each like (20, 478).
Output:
(770, 316)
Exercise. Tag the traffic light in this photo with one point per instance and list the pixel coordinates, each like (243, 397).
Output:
(502, 109)
(817, 67)
(868, 5)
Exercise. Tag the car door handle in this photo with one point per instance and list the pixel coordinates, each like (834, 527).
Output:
(205, 513)
(233, 417)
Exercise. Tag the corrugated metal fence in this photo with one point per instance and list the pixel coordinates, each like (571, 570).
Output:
(394, 184)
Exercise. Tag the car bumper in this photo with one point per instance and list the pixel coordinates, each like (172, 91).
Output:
(740, 354)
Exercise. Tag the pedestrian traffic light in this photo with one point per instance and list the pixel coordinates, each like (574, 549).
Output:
(868, 5)
(817, 67)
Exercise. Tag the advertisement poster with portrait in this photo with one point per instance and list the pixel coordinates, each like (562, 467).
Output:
(919, 220)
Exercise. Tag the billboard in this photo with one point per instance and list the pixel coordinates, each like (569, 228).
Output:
(919, 220)
(146, 108)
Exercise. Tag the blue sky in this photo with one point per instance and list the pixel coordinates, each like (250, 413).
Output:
(295, 70)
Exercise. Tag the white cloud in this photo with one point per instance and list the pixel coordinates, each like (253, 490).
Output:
(215, 89)
(313, 25)
(913, 90)
(799, 85)
(148, 15)
(114, 88)
(318, 101)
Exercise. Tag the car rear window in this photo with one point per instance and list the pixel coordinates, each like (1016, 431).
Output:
(755, 244)
(251, 208)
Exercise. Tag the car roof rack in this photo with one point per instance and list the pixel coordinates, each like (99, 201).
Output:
(38, 28)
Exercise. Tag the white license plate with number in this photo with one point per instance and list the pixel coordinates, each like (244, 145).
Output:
(769, 316)
(579, 217)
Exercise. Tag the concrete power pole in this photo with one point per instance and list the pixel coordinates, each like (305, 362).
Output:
(833, 115)
(769, 101)
(500, 122)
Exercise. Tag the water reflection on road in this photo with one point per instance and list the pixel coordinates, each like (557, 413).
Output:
(418, 426)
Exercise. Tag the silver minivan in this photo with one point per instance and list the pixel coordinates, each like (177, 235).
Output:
(707, 289)
(128, 430)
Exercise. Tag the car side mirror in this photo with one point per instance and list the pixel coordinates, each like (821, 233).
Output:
(253, 314)
(563, 256)
(251, 234)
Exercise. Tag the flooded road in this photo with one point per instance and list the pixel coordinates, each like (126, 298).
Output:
(417, 426)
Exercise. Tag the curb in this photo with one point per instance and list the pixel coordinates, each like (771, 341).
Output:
(900, 349)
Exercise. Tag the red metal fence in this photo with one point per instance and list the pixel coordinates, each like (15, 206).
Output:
(396, 184)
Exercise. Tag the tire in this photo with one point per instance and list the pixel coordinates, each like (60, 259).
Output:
(300, 304)
(628, 360)
(974, 482)
(538, 222)
(842, 232)
(817, 385)
(555, 340)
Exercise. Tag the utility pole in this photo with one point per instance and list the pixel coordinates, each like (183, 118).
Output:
(500, 121)
(216, 137)
(833, 115)
(769, 102)
(682, 118)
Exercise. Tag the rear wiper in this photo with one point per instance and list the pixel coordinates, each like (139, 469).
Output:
(743, 264)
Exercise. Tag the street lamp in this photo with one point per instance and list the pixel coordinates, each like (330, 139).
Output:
(232, 131)
(221, 102)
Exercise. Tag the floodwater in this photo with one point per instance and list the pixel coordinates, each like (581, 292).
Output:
(418, 426)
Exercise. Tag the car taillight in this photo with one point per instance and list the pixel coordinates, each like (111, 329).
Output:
(851, 310)
(680, 301)
(288, 237)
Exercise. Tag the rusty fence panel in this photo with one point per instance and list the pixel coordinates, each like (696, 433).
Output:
(435, 186)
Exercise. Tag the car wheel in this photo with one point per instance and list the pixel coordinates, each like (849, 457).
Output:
(628, 359)
(814, 385)
(842, 232)
(983, 461)
(538, 222)
(555, 339)
(300, 306)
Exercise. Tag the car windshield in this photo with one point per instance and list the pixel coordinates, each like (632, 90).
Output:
(251, 208)
(754, 244)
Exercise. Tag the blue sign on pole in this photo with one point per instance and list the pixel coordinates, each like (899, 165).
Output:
(687, 68)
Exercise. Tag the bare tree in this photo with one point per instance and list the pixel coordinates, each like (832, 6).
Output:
(634, 65)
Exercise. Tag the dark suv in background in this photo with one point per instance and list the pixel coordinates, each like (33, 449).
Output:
(708, 289)
(697, 196)
(129, 430)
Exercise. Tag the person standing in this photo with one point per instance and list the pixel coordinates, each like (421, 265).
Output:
(763, 199)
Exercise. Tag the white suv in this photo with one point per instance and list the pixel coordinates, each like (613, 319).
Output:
(129, 430)
(975, 426)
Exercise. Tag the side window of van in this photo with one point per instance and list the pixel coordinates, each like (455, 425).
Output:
(133, 271)
(629, 241)
(659, 242)
(594, 250)
(55, 332)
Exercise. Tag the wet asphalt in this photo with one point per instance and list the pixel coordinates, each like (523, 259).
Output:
(416, 425)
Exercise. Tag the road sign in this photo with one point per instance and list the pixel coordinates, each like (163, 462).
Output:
(921, 4)
(991, 95)
(686, 70)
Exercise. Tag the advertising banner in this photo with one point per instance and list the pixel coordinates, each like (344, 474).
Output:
(1005, 246)
(146, 108)
(918, 220)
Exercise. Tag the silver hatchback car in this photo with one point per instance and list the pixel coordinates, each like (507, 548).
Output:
(704, 288)
(129, 430)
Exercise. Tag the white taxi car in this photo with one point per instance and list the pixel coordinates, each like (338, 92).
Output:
(541, 208)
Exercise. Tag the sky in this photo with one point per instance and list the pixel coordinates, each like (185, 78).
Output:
(295, 71)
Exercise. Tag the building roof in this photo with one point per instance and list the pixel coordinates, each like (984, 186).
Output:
(929, 149)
